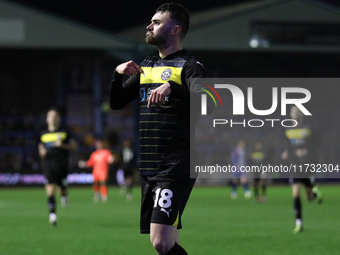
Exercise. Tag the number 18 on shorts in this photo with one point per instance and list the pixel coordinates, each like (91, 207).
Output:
(163, 199)
(165, 209)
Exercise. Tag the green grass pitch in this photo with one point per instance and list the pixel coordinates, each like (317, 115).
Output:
(213, 223)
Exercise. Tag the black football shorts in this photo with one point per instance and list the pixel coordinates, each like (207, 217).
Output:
(164, 197)
(307, 182)
(57, 174)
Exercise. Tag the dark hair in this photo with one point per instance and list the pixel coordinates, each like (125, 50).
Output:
(179, 13)
(53, 109)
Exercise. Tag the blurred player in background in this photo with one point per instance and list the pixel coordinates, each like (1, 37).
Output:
(162, 84)
(99, 160)
(55, 144)
(258, 157)
(239, 159)
(303, 142)
(128, 167)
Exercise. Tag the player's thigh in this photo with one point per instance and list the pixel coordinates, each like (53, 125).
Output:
(296, 189)
(50, 189)
(309, 193)
(244, 179)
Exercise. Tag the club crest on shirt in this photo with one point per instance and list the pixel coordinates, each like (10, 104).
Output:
(303, 133)
(166, 74)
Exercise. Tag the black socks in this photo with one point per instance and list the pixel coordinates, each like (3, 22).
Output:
(177, 250)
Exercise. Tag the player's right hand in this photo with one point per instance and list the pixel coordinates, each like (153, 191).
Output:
(129, 68)
(42, 150)
(81, 163)
(285, 155)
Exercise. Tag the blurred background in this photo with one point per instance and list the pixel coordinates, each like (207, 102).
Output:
(62, 54)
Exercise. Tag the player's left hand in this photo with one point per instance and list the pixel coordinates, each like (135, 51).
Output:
(81, 163)
(42, 150)
(301, 152)
(158, 95)
(58, 142)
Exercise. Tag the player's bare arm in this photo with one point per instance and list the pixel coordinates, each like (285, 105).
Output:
(285, 155)
(129, 68)
(42, 150)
